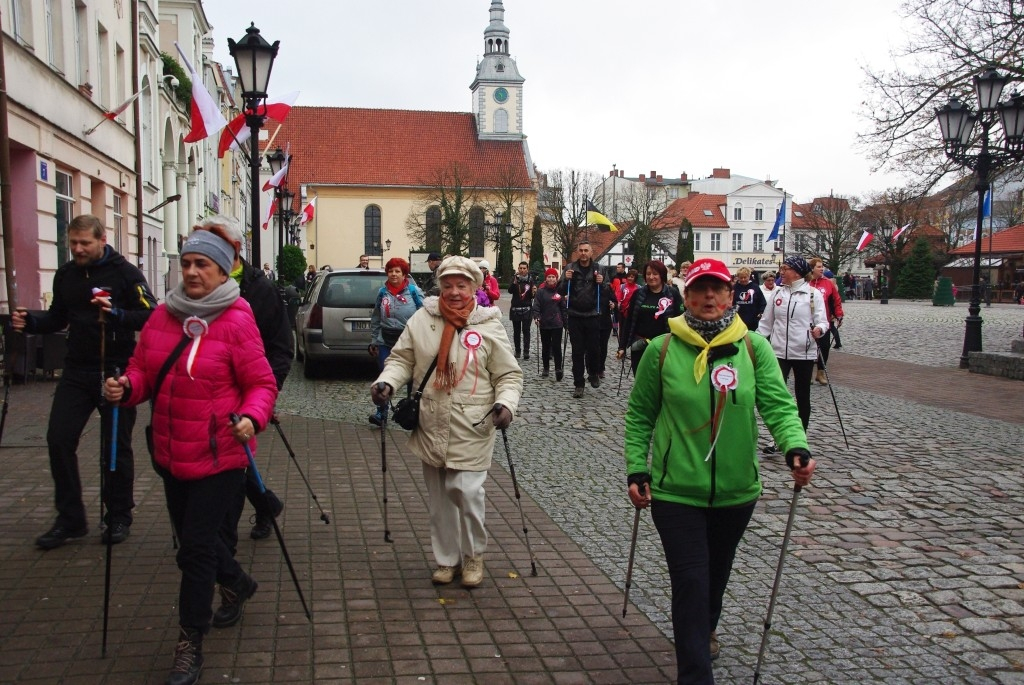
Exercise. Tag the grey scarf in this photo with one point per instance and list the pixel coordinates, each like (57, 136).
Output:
(709, 329)
(208, 307)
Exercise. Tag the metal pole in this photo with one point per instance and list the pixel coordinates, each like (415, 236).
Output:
(972, 324)
(254, 122)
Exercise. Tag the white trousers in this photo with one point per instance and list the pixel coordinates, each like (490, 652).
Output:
(456, 500)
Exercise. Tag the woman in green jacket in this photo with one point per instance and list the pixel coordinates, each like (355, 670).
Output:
(692, 409)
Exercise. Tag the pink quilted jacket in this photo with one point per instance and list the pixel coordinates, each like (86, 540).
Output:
(230, 374)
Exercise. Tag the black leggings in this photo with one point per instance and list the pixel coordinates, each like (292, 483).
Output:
(803, 370)
(551, 345)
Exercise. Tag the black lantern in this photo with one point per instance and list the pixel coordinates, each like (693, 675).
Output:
(254, 58)
(957, 123)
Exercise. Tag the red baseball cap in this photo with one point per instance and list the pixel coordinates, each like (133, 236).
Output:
(707, 267)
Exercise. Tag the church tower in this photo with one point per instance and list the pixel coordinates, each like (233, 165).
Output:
(498, 88)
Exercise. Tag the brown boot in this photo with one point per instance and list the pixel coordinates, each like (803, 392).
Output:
(820, 377)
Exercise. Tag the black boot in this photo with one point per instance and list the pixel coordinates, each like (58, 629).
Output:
(265, 515)
(232, 599)
(188, 658)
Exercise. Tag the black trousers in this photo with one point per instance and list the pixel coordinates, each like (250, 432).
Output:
(77, 395)
(584, 336)
(803, 370)
(521, 332)
(551, 345)
(700, 545)
(824, 345)
(199, 513)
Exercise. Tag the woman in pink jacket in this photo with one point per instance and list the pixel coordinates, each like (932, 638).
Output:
(220, 369)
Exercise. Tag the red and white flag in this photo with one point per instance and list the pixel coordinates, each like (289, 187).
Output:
(206, 116)
(271, 211)
(864, 240)
(236, 132)
(307, 212)
(277, 179)
(114, 113)
(900, 231)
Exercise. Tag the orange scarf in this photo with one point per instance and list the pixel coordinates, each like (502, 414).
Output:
(453, 319)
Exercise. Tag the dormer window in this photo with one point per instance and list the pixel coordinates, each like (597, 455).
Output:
(499, 67)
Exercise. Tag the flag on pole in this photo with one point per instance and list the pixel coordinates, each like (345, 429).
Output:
(986, 209)
(780, 221)
(206, 117)
(277, 179)
(236, 132)
(307, 212)
(864, 240)
(596, 217)
(900, 230)
(114, 113)
(271, 210)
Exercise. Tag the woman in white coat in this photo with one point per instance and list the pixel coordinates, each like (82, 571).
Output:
(794, 319)
(476, 375)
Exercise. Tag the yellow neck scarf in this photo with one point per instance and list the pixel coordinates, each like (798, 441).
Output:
(735, 331)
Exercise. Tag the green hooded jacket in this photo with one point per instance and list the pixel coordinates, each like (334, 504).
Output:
(670, 416)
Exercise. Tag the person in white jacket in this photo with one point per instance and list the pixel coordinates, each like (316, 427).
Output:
(794, 319)
(473, 390)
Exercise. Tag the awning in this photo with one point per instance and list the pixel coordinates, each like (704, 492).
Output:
(968, 263)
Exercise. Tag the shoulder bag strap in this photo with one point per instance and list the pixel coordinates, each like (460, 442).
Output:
(166, 368)
(430, 370)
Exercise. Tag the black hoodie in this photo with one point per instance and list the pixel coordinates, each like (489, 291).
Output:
(72, 292)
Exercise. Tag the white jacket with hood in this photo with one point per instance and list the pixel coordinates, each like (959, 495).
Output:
(788, 317)
(446, 436)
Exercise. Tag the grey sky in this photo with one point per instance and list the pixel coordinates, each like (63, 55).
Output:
(769, 90)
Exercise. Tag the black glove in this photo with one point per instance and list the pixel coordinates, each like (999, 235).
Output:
(791, 455)
(502, 417)
(640, 479)
(380, 393)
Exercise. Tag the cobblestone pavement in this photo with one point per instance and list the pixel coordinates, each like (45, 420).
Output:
(907, 558)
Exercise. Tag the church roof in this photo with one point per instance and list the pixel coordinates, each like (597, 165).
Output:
(395, 148)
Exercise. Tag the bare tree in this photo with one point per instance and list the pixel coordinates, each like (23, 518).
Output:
(887, 212)
(440, 217)
(953, 40)
(509, 194)
(563, 202)
(833, 227)
(642, 206)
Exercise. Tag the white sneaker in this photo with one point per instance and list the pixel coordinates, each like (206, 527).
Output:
(445, 574)
(472, 571)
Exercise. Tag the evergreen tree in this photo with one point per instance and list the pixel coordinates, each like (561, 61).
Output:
(917, 277)
(536, 258)
(684, 247)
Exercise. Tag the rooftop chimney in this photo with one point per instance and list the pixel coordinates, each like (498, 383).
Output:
(642, 179)
(720, 173)
(682, 177)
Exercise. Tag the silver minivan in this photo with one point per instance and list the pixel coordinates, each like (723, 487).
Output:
(333, 322)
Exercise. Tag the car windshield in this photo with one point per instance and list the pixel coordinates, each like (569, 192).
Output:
(350, 290)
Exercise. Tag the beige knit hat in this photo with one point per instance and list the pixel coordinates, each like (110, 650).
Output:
(460, 266)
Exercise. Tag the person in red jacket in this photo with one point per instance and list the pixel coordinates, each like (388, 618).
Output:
(833, 312)
(490, 286)
(220, 369)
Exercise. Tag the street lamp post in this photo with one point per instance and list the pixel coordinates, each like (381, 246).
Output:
(957, 122)
(277, 160)
(500, 232)
(254, 58)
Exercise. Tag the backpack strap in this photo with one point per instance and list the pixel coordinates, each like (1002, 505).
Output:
(750, 350)
(415, 292)
(664, 350)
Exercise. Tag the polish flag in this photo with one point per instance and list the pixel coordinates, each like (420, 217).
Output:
(277, 179)
(864, 240)
(900, 231)
(307, 212)
(206, 116)
(236, 132)
(115, 113)
(271, 211)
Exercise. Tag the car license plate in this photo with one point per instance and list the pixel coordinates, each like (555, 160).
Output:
(360, 325)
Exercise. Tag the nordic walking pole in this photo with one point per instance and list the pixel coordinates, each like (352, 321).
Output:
(622, 370)
(8, 381)
(522, 516)
(629, 566)
(778, 576)
(384, 465)
(833, 393)
(114, 410)
(273, 520)
(565, 341)
(287, 446)
(537, 350)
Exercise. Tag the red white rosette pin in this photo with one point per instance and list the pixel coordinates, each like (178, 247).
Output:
(194, 328)
(471, 340)
(724, 378)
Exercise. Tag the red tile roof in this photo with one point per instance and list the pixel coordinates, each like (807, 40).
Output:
(1008, 241)
(393, 147)
(692, 207)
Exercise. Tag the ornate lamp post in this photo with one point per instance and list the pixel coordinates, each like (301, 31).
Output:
(254, 58)
(500, 231)
(957, 123)
(277, 159)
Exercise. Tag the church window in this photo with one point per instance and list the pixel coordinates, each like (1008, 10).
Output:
(501, 121)
(476, 233)
(371, 232)
(434, 228)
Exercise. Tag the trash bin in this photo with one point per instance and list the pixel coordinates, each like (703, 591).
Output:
(943, 295)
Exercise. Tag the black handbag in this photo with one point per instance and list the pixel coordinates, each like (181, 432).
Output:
(407, 411)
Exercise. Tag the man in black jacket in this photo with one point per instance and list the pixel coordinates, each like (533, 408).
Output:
(581, 288)
(98, 284)
(278, 343)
